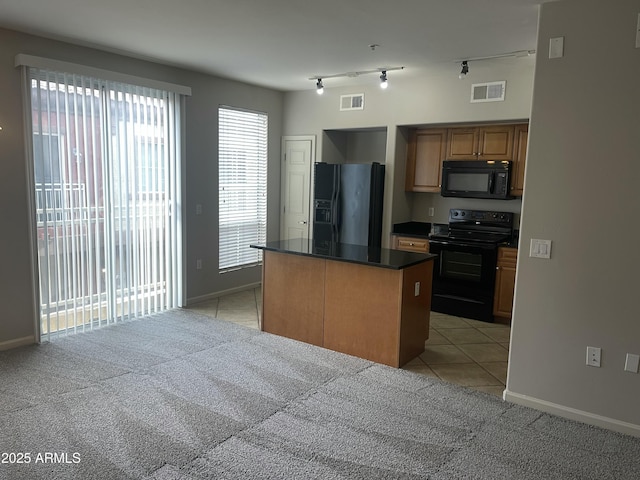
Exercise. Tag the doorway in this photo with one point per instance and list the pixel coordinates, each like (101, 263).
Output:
(298, 155)
(106, 195)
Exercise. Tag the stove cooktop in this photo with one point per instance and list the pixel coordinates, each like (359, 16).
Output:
(477, 226)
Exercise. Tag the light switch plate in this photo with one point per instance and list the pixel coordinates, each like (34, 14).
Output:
(556, 47)
(632, 362)
(540, 248)
(638, 32)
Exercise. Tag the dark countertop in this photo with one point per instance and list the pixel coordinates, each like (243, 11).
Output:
(513, 241)
(424, 230)
(344, 252)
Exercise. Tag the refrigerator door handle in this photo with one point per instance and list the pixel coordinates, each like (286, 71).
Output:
(335, 224)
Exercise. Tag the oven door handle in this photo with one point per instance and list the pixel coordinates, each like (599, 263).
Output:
(463, 244)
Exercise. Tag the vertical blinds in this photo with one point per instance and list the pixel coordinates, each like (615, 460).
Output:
(242, 187)
(106, 165)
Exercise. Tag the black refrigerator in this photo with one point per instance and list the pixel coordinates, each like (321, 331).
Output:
(347, 202)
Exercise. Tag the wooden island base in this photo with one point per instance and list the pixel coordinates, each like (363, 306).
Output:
(380, 314)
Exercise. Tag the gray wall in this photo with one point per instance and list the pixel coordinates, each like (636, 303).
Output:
(441, 205)
(439, 98)
(17, 319)
(582, 179)
(354, 146)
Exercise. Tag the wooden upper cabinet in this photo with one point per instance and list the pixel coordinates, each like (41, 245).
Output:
(493, 142)
(519, 158)
(462, 144)
(424, 160)
(428, 148)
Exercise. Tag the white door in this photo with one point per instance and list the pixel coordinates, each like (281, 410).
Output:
(297, 159)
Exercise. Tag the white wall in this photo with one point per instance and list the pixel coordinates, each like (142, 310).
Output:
(439, 98)
(582, 179)
(17, 322)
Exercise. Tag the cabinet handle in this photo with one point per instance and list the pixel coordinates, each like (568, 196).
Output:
(497, 268)
(411, 244)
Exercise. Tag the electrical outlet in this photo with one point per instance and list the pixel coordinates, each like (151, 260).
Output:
(593, 356)
(416, 289)
(199, 264)
(199, 209)
(556, 47)
(431, 211)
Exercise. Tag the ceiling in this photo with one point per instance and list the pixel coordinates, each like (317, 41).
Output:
(282, 43)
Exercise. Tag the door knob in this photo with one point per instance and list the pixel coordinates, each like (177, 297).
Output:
(302, 223)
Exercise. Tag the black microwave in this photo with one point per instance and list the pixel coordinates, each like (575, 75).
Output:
(476, 179)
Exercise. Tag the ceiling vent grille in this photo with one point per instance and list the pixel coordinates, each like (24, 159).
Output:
(352, 102)
(488, 92)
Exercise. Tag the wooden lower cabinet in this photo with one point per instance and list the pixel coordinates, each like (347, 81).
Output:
(293, 297)
(370, 312)
(410, 244)
(505, 283)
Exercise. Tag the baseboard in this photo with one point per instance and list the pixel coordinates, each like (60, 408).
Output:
(18, 342)
(211, 296)
(572, 413)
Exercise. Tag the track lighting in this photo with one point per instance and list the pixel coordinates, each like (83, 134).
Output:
(465, 63)
(383, 79)
(464, 71)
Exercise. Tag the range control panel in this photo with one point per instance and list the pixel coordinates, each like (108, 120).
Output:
(480, 217)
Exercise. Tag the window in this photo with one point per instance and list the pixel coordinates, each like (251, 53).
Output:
(107, 191)
(242, 187)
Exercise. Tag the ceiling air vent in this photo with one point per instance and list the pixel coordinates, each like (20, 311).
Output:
(488, 92)
(352, 102)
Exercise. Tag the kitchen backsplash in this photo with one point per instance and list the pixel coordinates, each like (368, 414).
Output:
(441, 206)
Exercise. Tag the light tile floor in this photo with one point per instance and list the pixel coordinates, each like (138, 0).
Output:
(466, 352)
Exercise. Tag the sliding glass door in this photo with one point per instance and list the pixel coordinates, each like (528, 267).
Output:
(106, 166)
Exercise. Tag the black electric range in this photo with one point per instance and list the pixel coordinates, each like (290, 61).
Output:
(464, 272)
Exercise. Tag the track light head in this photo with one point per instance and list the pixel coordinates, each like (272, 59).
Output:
(383, 79)
(383, 76)
(464, 71)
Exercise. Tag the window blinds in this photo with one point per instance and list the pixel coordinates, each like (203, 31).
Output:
(242, 187)
(107, 189)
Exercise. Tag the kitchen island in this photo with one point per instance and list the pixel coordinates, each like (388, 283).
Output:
(372, 303)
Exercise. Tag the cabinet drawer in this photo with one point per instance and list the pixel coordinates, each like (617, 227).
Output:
(411, 244)
(507, 255)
